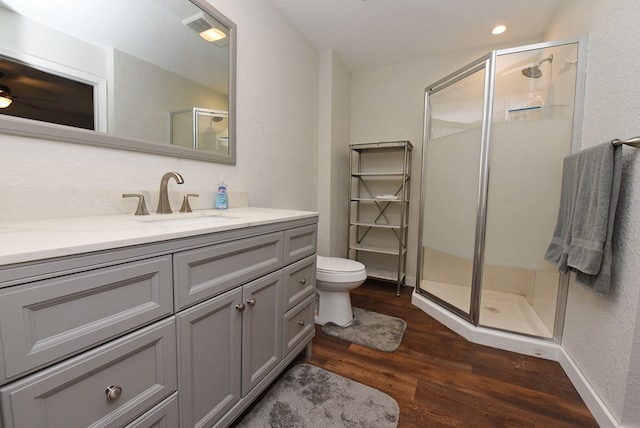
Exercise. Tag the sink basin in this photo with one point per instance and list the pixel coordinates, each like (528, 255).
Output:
(179, 220)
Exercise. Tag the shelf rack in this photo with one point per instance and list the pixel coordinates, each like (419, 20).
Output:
(379, 191)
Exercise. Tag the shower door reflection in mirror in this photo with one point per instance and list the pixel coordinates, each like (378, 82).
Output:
(451, 191)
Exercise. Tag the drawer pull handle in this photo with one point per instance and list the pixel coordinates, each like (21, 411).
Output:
(113, 392)
(240, 307)
(303, 281)
(300, 323)
(251, 302)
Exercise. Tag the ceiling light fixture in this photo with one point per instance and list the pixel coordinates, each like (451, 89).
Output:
(205, 27)
(5, 97)
(499, 29)
(212, 35)
(5, 102)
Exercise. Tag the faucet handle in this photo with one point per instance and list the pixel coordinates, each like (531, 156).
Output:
(142, 207)
(186, 208)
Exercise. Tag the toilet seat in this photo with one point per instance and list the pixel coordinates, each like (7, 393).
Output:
(336, 269)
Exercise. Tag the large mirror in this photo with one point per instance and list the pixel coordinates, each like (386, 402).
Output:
(127, 74)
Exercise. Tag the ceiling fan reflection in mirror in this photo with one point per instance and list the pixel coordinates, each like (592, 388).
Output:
(31, 92)
(7, 98)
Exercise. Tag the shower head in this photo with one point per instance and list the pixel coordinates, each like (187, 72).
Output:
(534, 71)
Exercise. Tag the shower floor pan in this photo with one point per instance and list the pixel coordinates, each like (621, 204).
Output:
(501, 310)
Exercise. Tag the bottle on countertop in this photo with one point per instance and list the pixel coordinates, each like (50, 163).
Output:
(221, 200)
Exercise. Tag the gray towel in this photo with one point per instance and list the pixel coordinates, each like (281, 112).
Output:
(589, 196)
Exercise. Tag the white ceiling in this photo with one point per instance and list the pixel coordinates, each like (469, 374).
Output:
(369, 34)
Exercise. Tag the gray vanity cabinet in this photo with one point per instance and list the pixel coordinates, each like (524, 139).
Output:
(176, 333)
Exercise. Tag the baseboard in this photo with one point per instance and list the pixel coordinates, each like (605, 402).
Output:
(591, 399)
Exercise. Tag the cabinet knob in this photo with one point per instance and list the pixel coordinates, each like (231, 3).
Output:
(300, 323)
(240, 307)
(303, 281)
(113, 392)
(251, 302)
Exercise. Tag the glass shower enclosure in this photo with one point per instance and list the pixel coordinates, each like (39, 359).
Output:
(496, 133)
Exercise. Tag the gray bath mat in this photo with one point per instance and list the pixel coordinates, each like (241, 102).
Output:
(308, 396)
(370, 329)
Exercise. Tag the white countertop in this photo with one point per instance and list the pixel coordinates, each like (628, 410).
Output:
(29, 240)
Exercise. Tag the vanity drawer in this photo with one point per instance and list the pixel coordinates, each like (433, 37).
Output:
(299, 281)
(209, 271)
(74, 393)
(298, 324)
(300, 243)
(164, 415)
(45, 321)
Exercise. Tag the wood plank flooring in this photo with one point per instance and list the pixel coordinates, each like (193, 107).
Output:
(441, 380)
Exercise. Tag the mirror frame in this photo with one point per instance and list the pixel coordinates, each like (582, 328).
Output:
(48, 131)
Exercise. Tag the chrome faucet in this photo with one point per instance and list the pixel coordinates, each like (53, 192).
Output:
(164, 207)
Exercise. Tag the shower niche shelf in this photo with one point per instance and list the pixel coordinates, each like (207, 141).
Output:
(379, 208)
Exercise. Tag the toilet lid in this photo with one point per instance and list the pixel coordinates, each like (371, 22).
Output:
(337, 264)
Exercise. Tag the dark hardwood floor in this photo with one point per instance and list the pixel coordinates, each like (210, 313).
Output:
(441, 380)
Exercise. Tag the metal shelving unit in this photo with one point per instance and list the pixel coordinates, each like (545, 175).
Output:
(379, 208)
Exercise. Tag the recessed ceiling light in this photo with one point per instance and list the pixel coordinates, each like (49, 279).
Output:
(499, 29)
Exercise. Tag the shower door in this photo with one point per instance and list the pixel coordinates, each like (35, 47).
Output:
(496, 133)
(451, 182)
(532, 125)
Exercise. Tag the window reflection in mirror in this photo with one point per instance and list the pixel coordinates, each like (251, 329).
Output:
(161, 59)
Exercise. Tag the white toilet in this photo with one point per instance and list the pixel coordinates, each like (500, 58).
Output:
(334, 278)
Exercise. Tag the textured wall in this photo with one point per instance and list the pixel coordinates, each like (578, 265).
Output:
(340, 128)
(137, 102)
(601, 332)
(277, 130)
(333, 168)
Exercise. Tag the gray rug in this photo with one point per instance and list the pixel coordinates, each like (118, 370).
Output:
(370, 329)
(308, 396)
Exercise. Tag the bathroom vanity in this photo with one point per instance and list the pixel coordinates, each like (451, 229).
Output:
(174, 320)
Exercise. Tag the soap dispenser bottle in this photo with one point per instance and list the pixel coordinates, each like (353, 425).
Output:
(221, 201)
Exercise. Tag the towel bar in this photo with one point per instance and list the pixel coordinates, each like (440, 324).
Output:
(635, 141)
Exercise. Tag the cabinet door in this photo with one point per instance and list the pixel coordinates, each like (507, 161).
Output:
(209, 358)
(262, 329)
